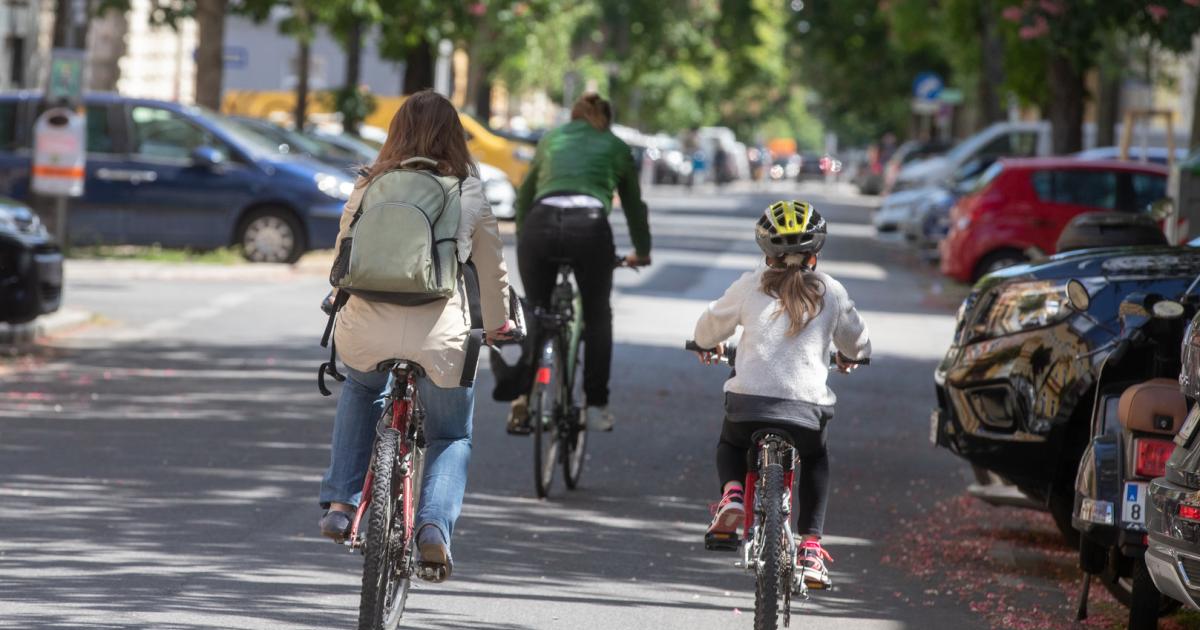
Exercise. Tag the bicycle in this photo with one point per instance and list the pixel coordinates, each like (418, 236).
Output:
(769, 548)
(559, 431)
(391, 494)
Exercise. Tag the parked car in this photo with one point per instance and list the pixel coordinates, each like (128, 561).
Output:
(511, 156)
(1020, 207)
(908, 152)
(1172, 511)
(1000, 140)
(182, 176)
(31, 276)
(902, 207)
(810, 166)
(1154, 155)
(499, 191)
(1013, 397)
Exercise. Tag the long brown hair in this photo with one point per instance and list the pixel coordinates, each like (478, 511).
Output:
(426, 125)
(594, 109)
(801, 293)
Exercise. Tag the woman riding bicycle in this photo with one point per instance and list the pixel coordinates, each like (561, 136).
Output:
(434, 335)
(562, 216)
(790, 313)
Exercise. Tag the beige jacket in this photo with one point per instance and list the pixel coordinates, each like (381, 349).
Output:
(435, 334)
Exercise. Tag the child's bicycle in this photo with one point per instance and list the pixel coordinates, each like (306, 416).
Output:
(769, 548)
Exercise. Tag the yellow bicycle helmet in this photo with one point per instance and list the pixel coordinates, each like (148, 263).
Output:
(790, 227)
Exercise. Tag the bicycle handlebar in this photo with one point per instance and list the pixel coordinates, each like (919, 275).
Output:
(729, 356)
(833, 357)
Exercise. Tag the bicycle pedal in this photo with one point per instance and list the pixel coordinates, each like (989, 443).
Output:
(431, 572)
(721, 542)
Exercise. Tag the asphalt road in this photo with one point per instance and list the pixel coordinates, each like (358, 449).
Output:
(159, 469)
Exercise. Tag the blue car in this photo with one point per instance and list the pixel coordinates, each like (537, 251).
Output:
(182, 176)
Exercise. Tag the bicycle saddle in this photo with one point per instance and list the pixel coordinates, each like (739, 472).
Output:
(400, 365)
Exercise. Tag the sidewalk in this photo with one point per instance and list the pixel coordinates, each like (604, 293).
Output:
(55, 323)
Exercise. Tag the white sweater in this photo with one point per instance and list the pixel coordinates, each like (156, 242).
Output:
(769, 362)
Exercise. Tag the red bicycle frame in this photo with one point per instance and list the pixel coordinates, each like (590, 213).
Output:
(401, 416)
(751, 482)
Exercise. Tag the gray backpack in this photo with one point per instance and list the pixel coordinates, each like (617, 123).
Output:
(402, 247)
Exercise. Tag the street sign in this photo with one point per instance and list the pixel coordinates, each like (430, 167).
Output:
(66, 76)
(926, 86)
(59, 152)
(950, 96)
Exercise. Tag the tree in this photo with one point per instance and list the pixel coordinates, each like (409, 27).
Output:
(210, 51)
(1073, 33)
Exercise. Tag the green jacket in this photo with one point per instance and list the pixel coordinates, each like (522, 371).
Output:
(578, 158)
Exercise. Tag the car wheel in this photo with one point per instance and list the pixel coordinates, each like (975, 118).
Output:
(1138, 592)
(271, 235)
(998, 260)
(1061, 506)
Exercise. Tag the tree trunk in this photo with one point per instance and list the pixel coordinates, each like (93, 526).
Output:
(354, 37)
(300, 117)
(70, 31)
(483, 100)
(1066, 105)
(1108, 106)
(210, 51)
(992, 77)
(1194, 137)
(418, 69)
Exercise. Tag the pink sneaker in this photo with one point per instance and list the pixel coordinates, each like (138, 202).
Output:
(812, 565)
(729, 513)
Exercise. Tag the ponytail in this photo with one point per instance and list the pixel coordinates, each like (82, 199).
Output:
(801, 294)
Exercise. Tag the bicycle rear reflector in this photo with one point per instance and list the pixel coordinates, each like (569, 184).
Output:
(543, 375)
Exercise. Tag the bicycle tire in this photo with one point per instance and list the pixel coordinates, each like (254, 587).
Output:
(766, 593)
(543, 401)
(384, 593)
(576, 436)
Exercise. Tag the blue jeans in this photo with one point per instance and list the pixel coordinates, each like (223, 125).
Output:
(447, 438)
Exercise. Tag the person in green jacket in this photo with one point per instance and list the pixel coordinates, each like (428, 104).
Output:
(562, 215)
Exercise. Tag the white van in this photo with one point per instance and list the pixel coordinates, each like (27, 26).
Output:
(1006, 139)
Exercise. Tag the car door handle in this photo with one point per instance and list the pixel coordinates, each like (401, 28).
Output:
(125, 175)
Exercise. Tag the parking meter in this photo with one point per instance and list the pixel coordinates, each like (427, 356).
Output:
(59, 153)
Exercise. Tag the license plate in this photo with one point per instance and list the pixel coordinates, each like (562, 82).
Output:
(1189, 427)
(1133, 504)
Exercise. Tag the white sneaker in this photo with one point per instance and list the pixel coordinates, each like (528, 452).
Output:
(598, 419)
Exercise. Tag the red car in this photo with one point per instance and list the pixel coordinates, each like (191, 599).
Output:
(1019, 207)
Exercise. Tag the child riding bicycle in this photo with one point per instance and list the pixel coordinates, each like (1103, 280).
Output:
(790, 314)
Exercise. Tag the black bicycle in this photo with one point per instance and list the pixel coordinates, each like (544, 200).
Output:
(769, 548)
(559, 429)
(559, 432)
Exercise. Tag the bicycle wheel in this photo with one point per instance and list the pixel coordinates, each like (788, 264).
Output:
(575, 436)
(766, 595)
(385, 582)
(543, 401)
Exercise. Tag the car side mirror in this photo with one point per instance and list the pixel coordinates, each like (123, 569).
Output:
(1162, 209)
(206, 157)
(1077, 296)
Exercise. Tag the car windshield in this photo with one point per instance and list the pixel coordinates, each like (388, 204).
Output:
(986, 178)
(247, 139)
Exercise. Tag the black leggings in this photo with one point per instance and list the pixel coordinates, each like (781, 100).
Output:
(582, 237)
(734, 456)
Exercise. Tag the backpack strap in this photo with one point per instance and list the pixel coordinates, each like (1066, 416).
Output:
(419, 160)
(330, 367)
(475, 338)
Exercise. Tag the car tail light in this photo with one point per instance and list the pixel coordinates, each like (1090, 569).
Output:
(1189, 512)
(1150, 457)
(543, 375)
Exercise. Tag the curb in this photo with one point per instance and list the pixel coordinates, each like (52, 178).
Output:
(46, 325)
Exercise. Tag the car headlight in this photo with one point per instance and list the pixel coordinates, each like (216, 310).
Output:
(334, 186)
(1024, 306)
(8, 222)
